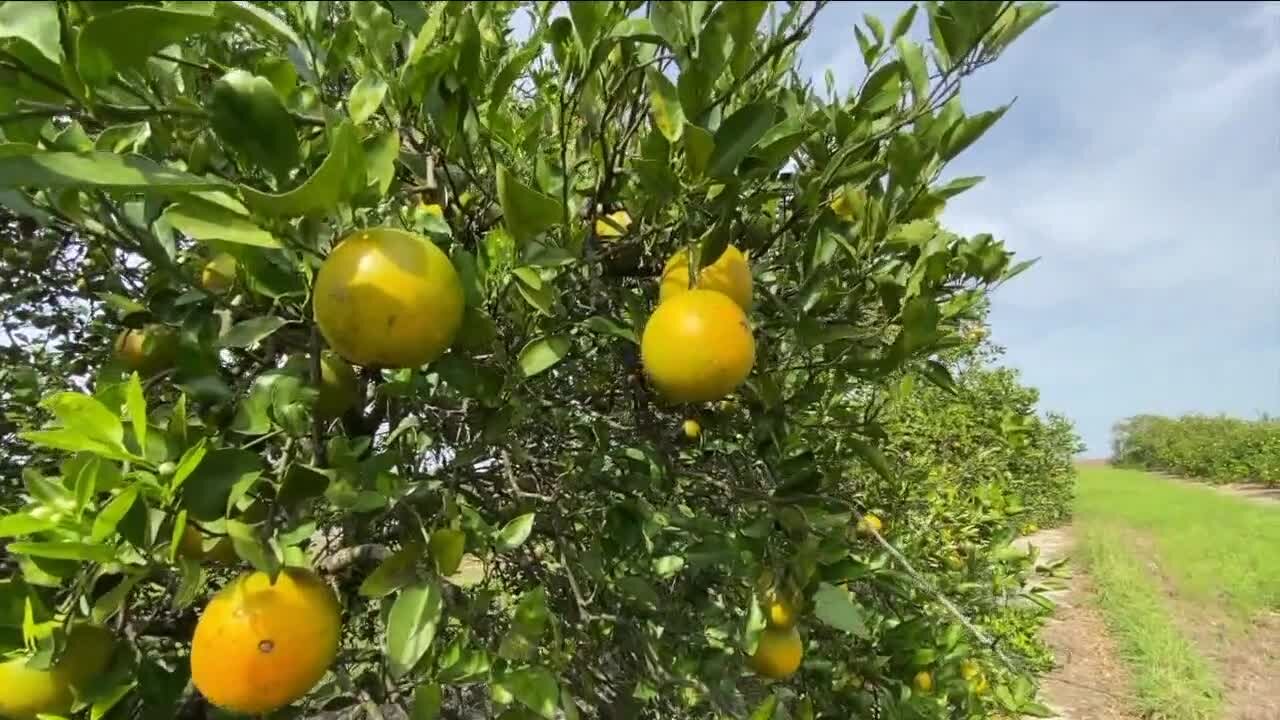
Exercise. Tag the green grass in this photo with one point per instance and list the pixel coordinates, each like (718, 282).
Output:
(1215, 548)
(1156, 547)
(1172, 680)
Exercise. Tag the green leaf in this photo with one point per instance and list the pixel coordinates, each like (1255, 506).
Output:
(970, 129)
(247, 333)
(882, 90)
(427, 701)
(395, 572)
(698, 145)
(877, 27)
(834, 606)
(513, 534)
(72, 441)
(207, 490)
(121, 40)
(36, 23)
(588, 16)
(96, 170)
(911, 55)
(19, 524)
(544, 353)
(249, 545)
(105, 524)
(609, 326)
(87, 416)
(664, 105)
(766, 709)
(136, 403)
(638, 29)
(111, 602)
(525, 211)
(411, 626)
(903, 24)
(250, 13)
(249, 116)
(668, 565)
(332, 182)
(187, 464)
(736, 136)
(56, 550)
(872, 456)
(535, 688)
(204, 221)
(1035, 709)
(366, 97)
(190, 583)
(447, 547)
(381, 153)
(124, 138)
(920, 319)
(956, 186)
(939, 375)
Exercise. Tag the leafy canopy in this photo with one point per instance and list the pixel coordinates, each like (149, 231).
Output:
(515, 527)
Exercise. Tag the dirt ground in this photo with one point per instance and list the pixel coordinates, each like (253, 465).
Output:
(1089, 681)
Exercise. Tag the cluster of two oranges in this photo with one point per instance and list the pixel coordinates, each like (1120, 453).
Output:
(697, 346)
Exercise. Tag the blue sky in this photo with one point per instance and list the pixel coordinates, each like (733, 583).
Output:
(1141, 163)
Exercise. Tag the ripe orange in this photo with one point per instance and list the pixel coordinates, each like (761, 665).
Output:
(729, 274)
(605, 228)
(147, 350)
(258, 646)
(339, 387)
(28, 692)
(923, 682)
(388, 298)
(697, 347)
(219, 274)
(692, 430)
(868, 523)
(778, 653)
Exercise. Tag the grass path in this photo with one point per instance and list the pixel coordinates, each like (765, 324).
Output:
(1187, 579)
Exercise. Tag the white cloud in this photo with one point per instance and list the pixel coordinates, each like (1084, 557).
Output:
(1141, 163)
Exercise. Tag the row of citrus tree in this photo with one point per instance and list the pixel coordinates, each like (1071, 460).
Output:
(1214, 448)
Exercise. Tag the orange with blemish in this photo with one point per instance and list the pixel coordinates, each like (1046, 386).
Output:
(259, 646)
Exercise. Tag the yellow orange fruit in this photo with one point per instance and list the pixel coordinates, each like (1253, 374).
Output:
(729, 274)
(697, 347)
(339, 388)
(606, 228)
(219, 274)
(692, 429)
(870, 522)
(969, 669)
(26, 692)
(388, 298)
(258, 647)
(146, 350)
(923, 682)
(778, 653)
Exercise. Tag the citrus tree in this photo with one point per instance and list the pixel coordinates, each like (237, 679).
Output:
(487, 359)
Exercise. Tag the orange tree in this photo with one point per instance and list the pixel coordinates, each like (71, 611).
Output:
(501, 495)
